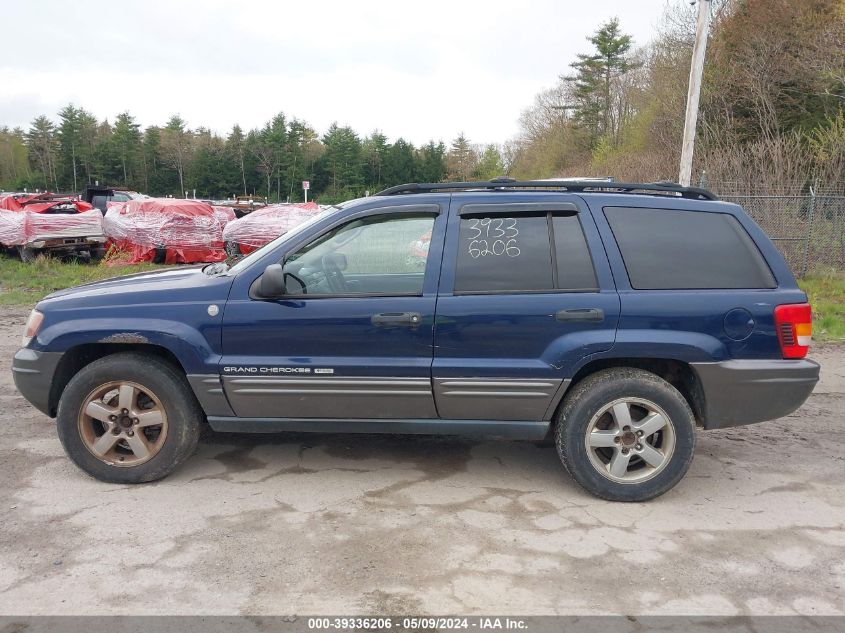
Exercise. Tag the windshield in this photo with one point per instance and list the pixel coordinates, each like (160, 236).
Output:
(256, 255)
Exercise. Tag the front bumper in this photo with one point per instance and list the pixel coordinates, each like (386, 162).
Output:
(66, 243)
(33, 373)
(738, 392)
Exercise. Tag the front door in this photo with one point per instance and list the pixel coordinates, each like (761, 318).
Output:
(352, 338)
(526, 295)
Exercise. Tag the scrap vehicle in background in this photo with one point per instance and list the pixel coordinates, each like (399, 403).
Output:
(250, 232)
(167, 230)
(244, 205)
(100, 197)
(58, 224)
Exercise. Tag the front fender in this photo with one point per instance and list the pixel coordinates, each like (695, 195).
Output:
(196, 346)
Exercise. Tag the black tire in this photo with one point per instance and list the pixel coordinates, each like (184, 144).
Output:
(588, 398)
(26, 254)
(183, 414)
(97, 253)
(233, 249)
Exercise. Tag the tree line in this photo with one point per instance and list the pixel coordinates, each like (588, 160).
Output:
(771, 116)
(272, 161)
(771, 121)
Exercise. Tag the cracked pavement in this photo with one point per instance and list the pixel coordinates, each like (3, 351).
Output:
(362, 524)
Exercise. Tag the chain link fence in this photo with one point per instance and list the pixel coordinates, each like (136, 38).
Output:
(809, 229)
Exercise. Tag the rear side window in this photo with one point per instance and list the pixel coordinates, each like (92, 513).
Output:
(504, 254)
(523, 253)
(668, 249)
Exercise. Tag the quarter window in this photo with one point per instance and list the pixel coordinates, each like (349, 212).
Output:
(670, 249)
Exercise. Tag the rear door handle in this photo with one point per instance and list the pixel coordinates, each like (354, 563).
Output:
(388, 319)
(592, 315)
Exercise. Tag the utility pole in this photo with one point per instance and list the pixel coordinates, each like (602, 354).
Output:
(702, 28)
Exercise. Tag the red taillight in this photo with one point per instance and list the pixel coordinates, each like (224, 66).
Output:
(794, 324)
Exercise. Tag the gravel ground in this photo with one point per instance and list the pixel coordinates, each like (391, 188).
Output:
(312, 524)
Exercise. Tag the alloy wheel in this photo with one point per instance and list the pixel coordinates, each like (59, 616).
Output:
(123, 423)
(630, 440)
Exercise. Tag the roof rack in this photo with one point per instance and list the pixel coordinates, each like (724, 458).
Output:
(580, 186)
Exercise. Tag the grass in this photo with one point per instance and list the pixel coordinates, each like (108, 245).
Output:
(826, 291)
(24, 284)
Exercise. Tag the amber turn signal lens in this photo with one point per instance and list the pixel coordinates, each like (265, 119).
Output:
(32, 325)
(794, 324)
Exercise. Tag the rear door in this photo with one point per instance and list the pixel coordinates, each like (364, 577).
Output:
(526, 293)
(352, 338)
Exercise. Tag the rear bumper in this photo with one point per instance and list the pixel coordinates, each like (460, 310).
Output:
(33, 374)
(738, 392)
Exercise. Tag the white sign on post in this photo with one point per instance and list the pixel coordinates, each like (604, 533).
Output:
(306, 185)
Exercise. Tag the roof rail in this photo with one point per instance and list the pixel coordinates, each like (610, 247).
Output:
(580, 186)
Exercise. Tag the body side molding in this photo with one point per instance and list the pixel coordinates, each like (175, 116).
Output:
(511, 429)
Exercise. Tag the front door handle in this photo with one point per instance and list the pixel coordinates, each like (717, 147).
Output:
(590, 315)
(388, 319)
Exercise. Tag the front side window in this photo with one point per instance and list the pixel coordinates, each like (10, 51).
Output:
(523, 253)
(380, 255)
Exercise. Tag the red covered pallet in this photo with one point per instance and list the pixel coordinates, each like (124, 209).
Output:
(258, 228)
(168, 230)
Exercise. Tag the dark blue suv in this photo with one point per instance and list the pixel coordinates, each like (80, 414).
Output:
(608, 318)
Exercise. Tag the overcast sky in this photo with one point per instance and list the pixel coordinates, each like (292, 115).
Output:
(420, 70)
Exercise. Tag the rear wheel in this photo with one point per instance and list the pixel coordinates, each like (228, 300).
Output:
(128, 418)
(625, 434)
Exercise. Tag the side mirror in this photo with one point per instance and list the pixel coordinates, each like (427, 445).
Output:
(272, 283)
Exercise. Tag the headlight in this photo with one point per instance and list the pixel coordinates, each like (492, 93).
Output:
(32, 325)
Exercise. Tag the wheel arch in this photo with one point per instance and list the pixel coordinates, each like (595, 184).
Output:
(79, 356)
(677, 373)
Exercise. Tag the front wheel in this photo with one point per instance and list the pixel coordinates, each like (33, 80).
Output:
(625, 434)
(128, 418)
(233, 249)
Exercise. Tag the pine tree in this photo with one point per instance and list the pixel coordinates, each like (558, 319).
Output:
(400, 166)
(126, 138)
(461, 159)
(593, 79)
(431, 162)
(41, 143)
(490, 165)
(236, 150)
(341, 164)
(176, 148)
(69, 136)
(375, 148)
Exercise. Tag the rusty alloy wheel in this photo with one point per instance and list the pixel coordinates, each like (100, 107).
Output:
(122, 424)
